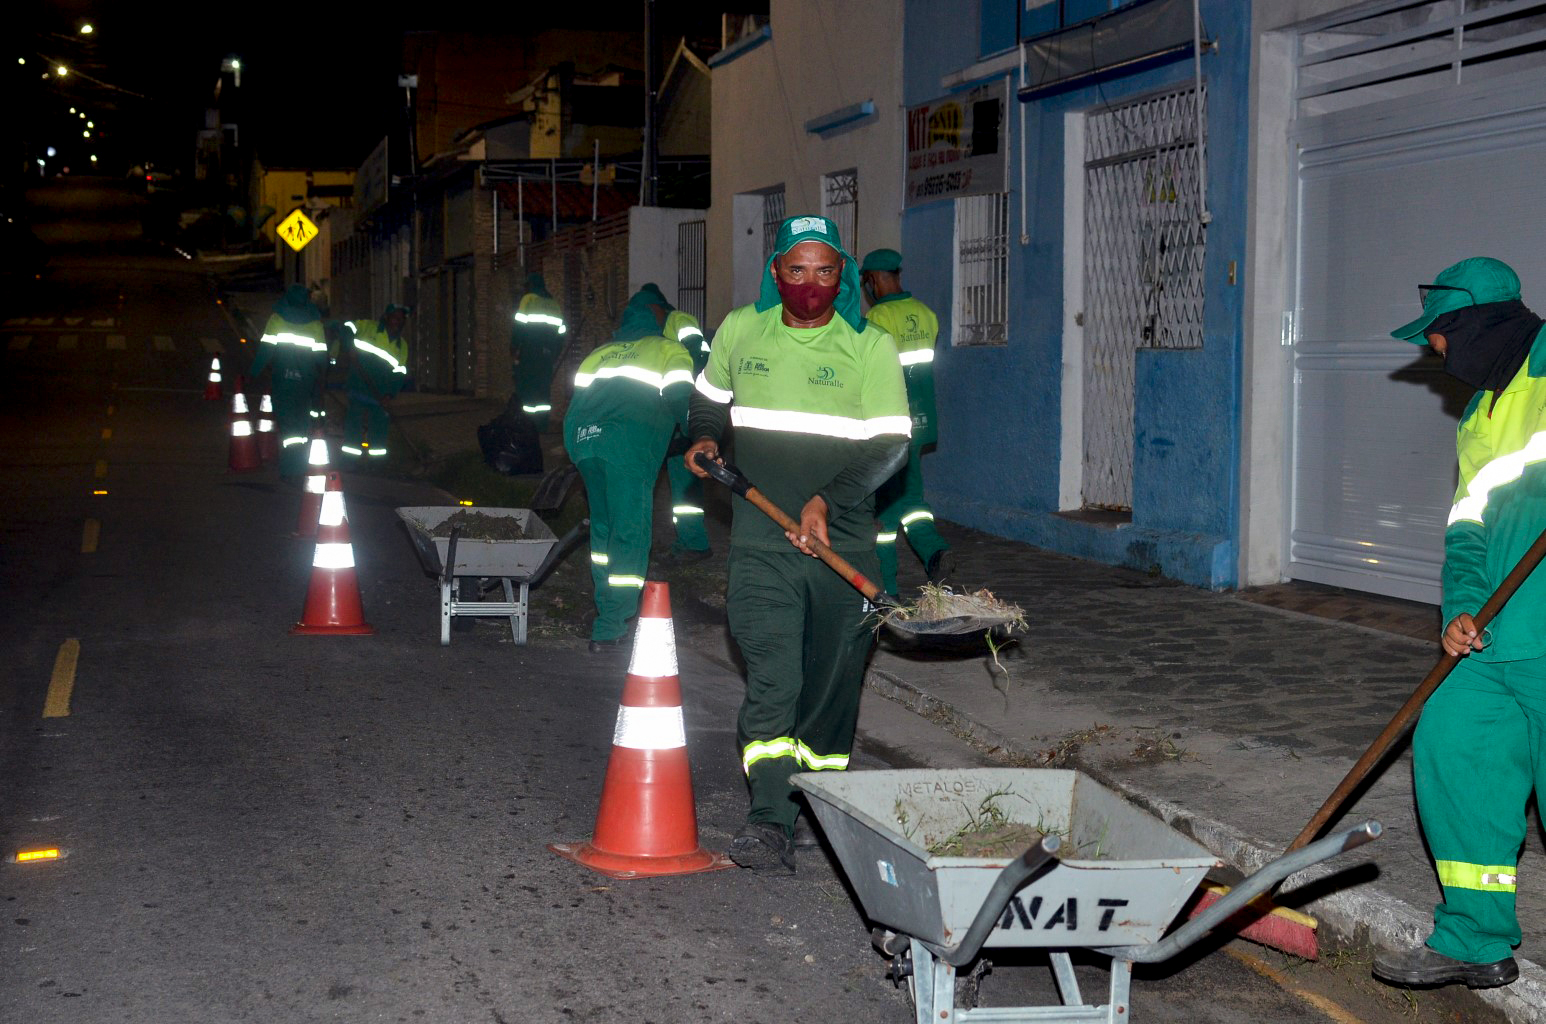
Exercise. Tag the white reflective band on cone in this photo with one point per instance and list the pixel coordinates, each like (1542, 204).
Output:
(332, 513)
(214, 378)
(267, 405)
(649, 728)
(318, 454)
(654, 649)
(334, 556)
(241, 428)
(316, 485)
(267, 427)
(239, 403)
(214, 364)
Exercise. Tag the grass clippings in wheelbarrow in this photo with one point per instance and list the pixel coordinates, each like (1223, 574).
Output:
(1000, 839)
(478, 526)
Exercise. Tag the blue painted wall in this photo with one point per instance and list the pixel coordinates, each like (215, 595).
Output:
(997, 463)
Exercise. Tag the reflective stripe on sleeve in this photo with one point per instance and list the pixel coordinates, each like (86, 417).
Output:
(688, 332)
(885, 538)
(820, 762)
(1504, 469)
(761, 750)
(823, 424)
(709, 391)
(621, 580)
(381, 353)
(541, 318)
(536, 408)
(686, 510)
(913, 517)
(599, 558)
(916, 356)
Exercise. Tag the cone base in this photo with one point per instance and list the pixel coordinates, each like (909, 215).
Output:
(302, 629)
(623, 866)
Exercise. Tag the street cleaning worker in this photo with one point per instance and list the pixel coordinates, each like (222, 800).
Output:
(900, 505)
(630, 395)
(1478, 750)
(293, 341)
(536, 339)
(692, 539)
(818, 403)
(378, 369)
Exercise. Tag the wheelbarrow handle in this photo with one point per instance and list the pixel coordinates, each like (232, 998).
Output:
(733, 479)
(1237, 897)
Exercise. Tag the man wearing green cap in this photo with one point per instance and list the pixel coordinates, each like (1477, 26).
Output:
(818, 403)
(692, 539)
(630, 396)
(378, 369)
(294, 343)
(536, 339)
(1479, 748)
(900, 504)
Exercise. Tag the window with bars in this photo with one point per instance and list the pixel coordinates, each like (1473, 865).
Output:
(840, 205)
(982, 270)
(772, 217)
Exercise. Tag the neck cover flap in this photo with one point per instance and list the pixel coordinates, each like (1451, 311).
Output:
(1485, 345)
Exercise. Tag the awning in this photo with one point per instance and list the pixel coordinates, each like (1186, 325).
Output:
(1133, 38)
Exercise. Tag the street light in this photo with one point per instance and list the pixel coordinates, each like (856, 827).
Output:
(72, 110)
(85, 135)
(91, 124)
(61, 71)
(21, 60)
(86, 29)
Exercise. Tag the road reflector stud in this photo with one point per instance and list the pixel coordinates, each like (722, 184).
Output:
(35, 856)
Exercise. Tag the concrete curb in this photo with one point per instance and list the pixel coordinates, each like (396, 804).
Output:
(1362, 914)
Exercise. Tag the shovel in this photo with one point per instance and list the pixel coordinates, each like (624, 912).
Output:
(955, 633)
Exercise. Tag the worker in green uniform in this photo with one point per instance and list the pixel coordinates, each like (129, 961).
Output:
(900, 505)
(378, 369)
(293, 342)
(630, 395)
(1479, 751)
(692, 539)
(536, 340)
(818, 403)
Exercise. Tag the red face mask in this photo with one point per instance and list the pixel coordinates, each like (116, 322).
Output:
(808, 300)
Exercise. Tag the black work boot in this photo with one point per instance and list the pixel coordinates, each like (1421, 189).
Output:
(805, 837)
(763, 847)
(1423, 967)
(941, 567)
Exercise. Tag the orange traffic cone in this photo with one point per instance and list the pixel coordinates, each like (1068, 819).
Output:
(268, 440)
(316, 484)
(244, 446)
(212, 385)
(333, 598)
(647, 824)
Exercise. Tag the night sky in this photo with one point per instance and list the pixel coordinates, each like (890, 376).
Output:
(319, 81)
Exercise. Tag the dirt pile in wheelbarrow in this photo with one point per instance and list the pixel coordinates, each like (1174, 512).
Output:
(1001, 839)
(479, 526)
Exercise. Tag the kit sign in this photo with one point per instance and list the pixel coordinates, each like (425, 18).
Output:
(958, 146)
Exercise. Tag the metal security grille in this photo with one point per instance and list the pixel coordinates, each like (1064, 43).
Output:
(691, 267)
(1143, 284)
(982, 270)
(840, 204)
(772, 217)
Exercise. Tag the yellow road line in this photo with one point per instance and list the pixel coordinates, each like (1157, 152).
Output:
(90, 535)
(62, 683)
(101, 469)
(1277, 977)
(107, 433)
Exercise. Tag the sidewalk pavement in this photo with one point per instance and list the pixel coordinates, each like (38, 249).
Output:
(1230, 719)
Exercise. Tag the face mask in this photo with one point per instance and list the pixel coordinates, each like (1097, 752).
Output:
(1487, 344)
(807, 301)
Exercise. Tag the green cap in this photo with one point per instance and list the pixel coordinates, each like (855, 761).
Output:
(1471, 282)
(791, 233)
(888, 260)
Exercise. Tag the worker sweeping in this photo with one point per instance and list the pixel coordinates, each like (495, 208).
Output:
(536, 340)
(378, 369)
(900, 506)
(692, 538)
(294, 343)
(630, 395)
(821, 420)
(1478, 751)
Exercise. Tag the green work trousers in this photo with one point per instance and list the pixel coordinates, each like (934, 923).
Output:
(537, 348)
(805, 635)
(621, 497)
(1480, 748)
(686, 506)
(292, 420)
(901, 508)
(366, 426)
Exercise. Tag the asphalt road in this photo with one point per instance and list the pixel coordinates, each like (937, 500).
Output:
(265, 827)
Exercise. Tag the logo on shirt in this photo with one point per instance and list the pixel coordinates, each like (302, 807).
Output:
(752, 366)
(826, 377)
(589, 432)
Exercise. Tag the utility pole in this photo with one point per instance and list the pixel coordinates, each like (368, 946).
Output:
(648, 183)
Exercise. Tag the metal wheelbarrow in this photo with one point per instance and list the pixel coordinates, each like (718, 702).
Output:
(1106, 876)
(462, 564)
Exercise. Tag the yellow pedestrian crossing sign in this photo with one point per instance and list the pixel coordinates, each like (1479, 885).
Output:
(297, 229)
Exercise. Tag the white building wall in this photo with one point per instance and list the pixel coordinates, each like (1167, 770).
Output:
(821, 58)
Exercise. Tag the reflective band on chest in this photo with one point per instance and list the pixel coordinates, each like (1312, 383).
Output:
(300, 340)
(822, 424)
(658, 381)
(654, 649)
(649, 728)
(1504, 469)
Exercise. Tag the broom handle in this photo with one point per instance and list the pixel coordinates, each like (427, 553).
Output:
(1403, 718)
(836, 562)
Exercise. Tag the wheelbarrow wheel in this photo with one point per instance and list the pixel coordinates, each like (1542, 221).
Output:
(468, 588)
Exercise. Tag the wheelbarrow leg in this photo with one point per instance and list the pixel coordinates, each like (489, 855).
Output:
(446, 585)
(934, 987)
(1068, 985)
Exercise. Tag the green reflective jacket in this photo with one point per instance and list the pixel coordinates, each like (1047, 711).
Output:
(378, 358)
(629, 396)
(298, 351)
(914, 327)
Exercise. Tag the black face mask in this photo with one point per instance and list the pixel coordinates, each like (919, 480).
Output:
(1486, 344)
